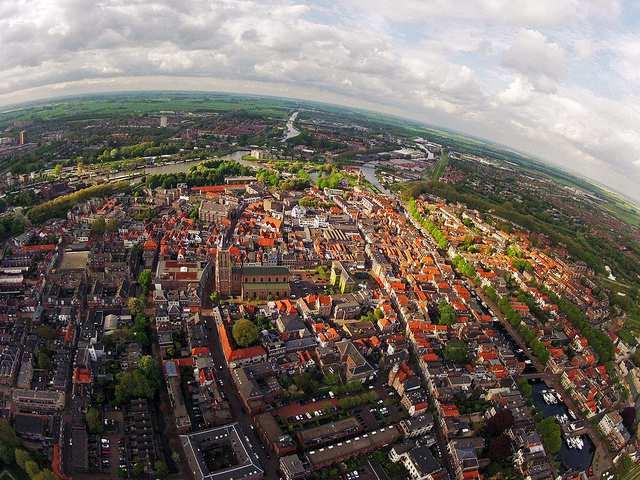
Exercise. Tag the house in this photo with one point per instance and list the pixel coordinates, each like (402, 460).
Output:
(356, 366)
(421, 464)
(611, 427)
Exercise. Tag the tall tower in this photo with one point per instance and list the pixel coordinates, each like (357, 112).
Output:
(223, 272)
(163, 121)
(22, 137)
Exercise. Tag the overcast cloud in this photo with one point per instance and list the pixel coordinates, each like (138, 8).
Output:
(556, 78)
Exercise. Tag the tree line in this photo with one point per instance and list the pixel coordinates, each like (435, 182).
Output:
(428, 225)
(58, 207)
(514, 318)
(211, 172)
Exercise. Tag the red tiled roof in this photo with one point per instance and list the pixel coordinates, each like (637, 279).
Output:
(266, 242)
(471, 474)
(183, 362)
(38, 248)
(200, 351)
(82, 375)
(430, 357)
(244, 353)
(218, 188)
(450, 411)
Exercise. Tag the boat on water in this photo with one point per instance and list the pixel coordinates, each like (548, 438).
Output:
(549, 397)
(575, 442)
(574, 426)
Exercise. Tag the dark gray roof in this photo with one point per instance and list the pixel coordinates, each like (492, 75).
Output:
(423, 460)
(265, 270)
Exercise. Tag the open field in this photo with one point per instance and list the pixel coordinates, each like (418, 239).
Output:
(121, 105)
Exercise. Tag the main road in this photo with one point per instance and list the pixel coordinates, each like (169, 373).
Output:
(268, 462)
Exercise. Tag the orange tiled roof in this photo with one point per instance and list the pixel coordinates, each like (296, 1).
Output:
(450, 411)
(38, 248)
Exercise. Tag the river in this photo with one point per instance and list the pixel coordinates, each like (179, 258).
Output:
(184, 166)
(291, 130)
(369, 172)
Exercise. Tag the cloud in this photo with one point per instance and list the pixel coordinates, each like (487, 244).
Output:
(626, 62)
(514, 71)
(509, 12)
(519, 92)
(543, 62)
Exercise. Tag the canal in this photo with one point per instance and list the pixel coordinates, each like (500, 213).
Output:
(570, 458)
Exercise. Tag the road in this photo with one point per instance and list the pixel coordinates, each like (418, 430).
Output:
(268, 462)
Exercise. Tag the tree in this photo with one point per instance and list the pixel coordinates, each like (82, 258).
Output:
(94, 422)
(305, 382)
(162, 471)
(138, 470)
(111, 225)
(464, 267)
(626, 468)
(21, 457)
(8, 443)
(43, 361)
(141, 330)
(446, 314)
(244, 332)
(455, 351)
(499, 423)
(521, 264)
(143, 382)
(45, 331)
(31, 468)
(98, 226)
(45, 474)
(525, 387)
(500, 448)
(144, 279)
(215, 298)
(57, 169)
(550, 432)
(59, 206)
(636, 357)
(135, 306)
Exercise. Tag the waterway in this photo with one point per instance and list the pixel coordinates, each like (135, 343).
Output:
(570, 458)
(291, 130)
(185, 166)
(369, 172)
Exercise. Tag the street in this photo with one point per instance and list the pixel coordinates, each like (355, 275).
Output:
(268, 462)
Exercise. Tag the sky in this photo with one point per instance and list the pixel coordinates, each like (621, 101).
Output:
(559, 79)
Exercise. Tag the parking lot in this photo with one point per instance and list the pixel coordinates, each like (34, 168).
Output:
(106, 450)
